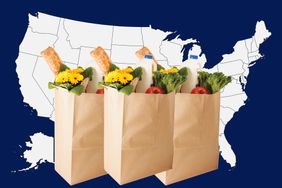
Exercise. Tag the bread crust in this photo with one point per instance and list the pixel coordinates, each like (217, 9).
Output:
(102, 59)
(52, 58)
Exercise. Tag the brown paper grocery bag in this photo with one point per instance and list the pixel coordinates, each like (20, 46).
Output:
(79, 136)
(138, 134)
(196, 129)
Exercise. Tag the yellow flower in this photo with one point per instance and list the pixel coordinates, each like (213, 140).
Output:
(75, 78)
(62, 77)
(112, 77)
(173, 69)
(128, 70)
(124, 78)
(78, 70)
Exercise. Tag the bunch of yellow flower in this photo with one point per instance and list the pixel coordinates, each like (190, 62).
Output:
(173, 69)
(72, 76)
(120, 75)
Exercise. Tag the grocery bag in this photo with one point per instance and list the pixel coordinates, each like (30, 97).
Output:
(196, 130)
(138, 134)
(79, 136)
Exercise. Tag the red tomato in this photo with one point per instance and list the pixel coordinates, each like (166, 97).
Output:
(155, 90)
(100, 91)
(200, 90)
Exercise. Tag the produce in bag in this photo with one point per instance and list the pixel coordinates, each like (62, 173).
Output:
(196, 129)
(149, 65)
(74, 80)
(123, 80)
(138, 127)
(169, 80)
(192, 79)
(79, 124)
(103, 61)
(211, 82)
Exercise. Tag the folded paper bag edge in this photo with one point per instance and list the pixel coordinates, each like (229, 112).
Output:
(124, 178)
(168, 178)
(61, 99)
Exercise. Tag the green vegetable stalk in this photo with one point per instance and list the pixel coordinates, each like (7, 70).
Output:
(213, 82)
(171, 79)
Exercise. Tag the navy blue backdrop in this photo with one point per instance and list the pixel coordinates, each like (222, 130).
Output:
(254, 132)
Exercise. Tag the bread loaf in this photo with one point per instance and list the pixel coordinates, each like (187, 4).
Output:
(102, 59)
(52, 59)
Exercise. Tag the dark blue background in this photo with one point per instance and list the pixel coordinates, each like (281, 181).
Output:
(254, 132)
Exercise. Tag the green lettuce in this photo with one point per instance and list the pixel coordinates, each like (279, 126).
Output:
(213, 82)
(170, 81)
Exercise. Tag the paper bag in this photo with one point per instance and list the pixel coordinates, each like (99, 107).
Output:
(138, 134)
(79, 136)
(196, 129)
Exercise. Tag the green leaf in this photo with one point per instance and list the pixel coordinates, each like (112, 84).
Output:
(77, 90)
(88, 73)
(51, 85)
(113, 67)
(168, 81)
(67, 86)
(63, 67)
(213, 82)
(115, 85)
(137, 73)
(159, 67)
(183, 71)
(127, 89)
(100, 85)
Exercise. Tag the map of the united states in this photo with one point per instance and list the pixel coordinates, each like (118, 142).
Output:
(73, 40)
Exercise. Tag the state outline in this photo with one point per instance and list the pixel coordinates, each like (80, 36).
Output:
(82, 45)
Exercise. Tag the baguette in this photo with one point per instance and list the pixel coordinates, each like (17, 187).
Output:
(52, 59)
(102, 59)
(145, 51)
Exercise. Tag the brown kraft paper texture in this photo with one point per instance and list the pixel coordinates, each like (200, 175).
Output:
(138, 134)
(196, 129)
(79, 153)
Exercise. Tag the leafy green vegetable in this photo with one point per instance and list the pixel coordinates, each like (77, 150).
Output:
(159, 67)
(87, 73)
(63, 67)
(77, 89)
(127, 89)
(113, 67)
(51, 85)
(183, 71)
(67, 86)
(137, 73)
(100, 85)
(170, 81)
(213, 82)
(117, 86)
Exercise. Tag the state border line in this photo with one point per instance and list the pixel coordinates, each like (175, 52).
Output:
(38, 83)
(128, 45)
(141, 30)
(112, 38)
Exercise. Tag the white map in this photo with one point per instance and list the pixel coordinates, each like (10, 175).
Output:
(74, 40)
(41, 151)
